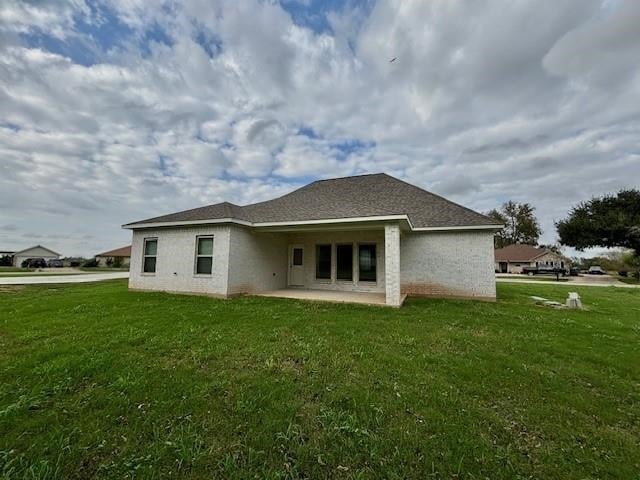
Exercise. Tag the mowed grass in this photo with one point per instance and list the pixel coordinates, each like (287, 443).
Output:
(15, 269)
(100, 382)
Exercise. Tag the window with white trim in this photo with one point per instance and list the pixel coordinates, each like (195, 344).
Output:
(204, 255)
(149, 254)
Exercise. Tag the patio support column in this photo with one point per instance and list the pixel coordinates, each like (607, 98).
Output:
(392, 264)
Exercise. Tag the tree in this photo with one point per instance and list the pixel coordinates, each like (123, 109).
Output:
(609, 221)
(555, 248)
(520, 224)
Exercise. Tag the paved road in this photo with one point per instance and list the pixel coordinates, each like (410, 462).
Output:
(79, 278)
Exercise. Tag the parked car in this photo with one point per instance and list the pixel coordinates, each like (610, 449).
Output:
(596, 270)
(34, 263)
(574, 272)
(55, 263)
(543, 270)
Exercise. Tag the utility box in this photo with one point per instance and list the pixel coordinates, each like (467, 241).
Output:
(573, 300)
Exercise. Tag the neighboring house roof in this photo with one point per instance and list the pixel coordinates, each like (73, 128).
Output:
(37, 246)
(118, 252)
(6, 252)
(363, 196)
(521, 253)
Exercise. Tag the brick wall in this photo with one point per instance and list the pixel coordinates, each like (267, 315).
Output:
(392, 263)
(258, 261)
(451, 264)
(175, 267)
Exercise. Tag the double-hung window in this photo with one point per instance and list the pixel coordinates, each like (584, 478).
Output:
(149, 254)
(204, 255)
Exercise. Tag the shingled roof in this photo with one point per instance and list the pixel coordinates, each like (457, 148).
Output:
(519, 253)
(341, 198)
(118, 252)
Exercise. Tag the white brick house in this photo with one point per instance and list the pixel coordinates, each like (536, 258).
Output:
(369, 233)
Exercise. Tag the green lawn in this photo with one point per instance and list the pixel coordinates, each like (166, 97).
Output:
(96, 381)
(15, 269)
(630, 280)
(537, 278)
(104, 269)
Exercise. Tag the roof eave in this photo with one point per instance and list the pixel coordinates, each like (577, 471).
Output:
(301, 223)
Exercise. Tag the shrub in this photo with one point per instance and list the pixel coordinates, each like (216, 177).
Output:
(92, 263)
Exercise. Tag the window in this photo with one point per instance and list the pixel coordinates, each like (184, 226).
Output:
(344, 262)
(367, 263)
(297, 256)
(149, 255)
(204, 255)
(323, 262)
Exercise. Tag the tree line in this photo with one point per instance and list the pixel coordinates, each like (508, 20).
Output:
(609, 221)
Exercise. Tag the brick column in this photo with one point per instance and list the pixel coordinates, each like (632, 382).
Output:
(392, 264)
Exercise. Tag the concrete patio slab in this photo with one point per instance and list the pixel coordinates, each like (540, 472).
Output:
(364, 298)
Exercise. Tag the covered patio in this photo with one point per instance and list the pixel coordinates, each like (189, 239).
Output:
(334, 296)
(355, 262)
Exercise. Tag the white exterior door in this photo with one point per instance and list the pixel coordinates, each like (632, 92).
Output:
(296, 265)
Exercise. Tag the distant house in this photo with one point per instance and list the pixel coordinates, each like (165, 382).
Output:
(34, 252)
(371, 234)
(123, 254)
(513, 258)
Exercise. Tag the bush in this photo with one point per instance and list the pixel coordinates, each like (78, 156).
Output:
(91, 263)
(5, 261)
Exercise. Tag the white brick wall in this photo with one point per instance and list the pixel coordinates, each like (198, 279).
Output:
(392, 263)
(457, 264)
(175, 267)
(258, 261)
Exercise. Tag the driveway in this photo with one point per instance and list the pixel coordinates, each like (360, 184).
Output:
(77, 278)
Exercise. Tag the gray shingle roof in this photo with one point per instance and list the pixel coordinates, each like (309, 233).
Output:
(360, 196)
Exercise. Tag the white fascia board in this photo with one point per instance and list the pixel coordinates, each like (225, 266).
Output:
(380, 218)
(459, 227)
(326, 221)
(134, 226)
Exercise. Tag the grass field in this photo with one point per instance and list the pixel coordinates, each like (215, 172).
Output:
(104, 269)
(96, 381)
(630, 280)
(537, 278)
(15, 269)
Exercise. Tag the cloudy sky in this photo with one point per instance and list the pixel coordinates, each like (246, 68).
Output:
(117, 111)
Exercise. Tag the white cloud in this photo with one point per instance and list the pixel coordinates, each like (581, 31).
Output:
(197, 103)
